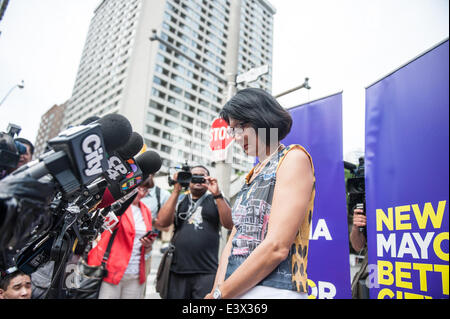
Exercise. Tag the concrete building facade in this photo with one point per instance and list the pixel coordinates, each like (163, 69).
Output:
(50, 126)
(170, 100)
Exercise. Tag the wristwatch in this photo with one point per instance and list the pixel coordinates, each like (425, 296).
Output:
(217, 294)
(218, 196)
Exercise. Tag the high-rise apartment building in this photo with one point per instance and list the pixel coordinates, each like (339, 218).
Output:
(51, 125)
(170, 90)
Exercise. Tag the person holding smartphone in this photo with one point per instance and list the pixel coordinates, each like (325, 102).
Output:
(127, 265)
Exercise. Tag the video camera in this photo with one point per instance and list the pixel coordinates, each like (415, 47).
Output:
(57, 205)
(185, 177)
(355, 187)
(10, 150)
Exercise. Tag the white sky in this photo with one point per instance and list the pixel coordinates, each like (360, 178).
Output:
(340, 45)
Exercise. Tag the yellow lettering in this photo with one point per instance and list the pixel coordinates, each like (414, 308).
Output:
(385, 292)
(428, 212)
(410, 295)
(314, 292)
(423, 268)
(443, 269)
(437, 246)
(387, 220)
(385, 270)
(399, 217)
(399, 275)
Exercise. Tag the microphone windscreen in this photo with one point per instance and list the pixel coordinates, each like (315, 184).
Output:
(116, 130)
(149, 162)
(133, 146)
(90, 120)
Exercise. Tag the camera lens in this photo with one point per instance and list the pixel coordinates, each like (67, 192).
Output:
(198, 179)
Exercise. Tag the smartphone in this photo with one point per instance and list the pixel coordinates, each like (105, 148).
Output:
(151, 234)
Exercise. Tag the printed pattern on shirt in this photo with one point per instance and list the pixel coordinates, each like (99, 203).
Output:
(251, 213)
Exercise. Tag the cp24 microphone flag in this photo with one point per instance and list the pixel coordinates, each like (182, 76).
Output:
(317, 126)
(407, 159)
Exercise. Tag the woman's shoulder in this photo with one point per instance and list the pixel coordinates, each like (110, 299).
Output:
(295, 154)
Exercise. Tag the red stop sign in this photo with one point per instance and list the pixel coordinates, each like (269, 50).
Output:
(219, 138)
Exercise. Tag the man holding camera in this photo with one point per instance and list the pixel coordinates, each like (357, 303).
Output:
(358, 240)
(197, 217)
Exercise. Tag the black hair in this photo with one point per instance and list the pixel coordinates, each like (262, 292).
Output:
(5, 278)
(25, 141)
(201, 166)
(259, 109)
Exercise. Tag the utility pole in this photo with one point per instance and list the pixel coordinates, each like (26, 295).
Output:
(223, 167)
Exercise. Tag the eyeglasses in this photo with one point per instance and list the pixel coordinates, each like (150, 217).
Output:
(238, 130)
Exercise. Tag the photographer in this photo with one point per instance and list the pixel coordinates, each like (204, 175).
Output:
(358, 240)
(358, 237)
(358, 234)
(28, 155)
(197, 217)
(11, 151)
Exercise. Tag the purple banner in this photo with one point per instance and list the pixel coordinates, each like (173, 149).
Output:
(407, 179)
(317, 126)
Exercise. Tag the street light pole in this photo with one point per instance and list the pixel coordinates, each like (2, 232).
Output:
(223, 168)
(304, 85)
(20, 86)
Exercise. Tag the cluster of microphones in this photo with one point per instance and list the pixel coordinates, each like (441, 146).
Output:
(58, 204)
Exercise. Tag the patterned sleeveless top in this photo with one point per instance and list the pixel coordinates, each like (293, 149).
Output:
(251, 212)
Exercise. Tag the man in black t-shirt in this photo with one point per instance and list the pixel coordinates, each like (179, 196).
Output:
(197, 217)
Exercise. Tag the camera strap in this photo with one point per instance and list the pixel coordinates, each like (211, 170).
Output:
(192, 207)
(158, 197)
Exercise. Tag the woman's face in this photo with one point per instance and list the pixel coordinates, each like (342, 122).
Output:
(245, 135)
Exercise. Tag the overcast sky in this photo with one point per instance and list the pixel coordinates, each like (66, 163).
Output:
(340, 45)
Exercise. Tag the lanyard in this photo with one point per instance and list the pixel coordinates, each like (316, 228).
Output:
(192, 207)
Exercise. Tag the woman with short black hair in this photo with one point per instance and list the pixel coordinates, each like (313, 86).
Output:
(266, 254)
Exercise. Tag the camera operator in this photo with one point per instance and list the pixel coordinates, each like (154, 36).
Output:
(358, 237)
(358, 240)
(197, 217)
(10, 150)
(27, 156)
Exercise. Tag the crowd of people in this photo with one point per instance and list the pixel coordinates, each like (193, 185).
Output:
(266, 255)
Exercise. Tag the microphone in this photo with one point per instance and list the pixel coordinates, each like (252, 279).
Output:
(78, 154)
(118, 166)
(116, 130)
(133, 146)
(150, 162)
(145, 164)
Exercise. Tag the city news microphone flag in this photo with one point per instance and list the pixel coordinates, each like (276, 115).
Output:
(407, 181)
(317, 126)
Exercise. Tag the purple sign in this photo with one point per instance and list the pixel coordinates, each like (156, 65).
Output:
(407, 180)
(317, 126)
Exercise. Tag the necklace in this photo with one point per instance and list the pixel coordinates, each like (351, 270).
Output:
(261, 165)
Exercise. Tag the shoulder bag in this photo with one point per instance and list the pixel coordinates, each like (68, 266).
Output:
(91, 277)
